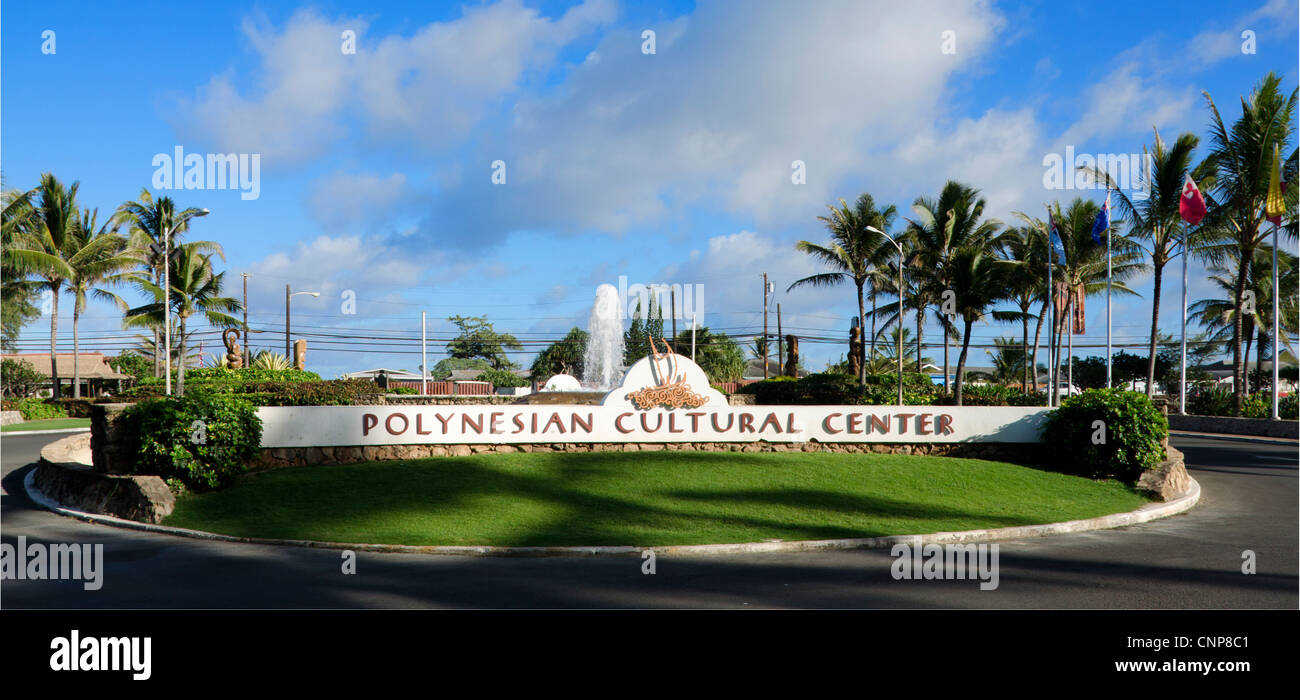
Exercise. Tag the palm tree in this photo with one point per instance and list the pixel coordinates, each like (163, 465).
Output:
(942, 226)
(195, 289)
(1242, 156)
(94, 257)
(1026, 286)
(1155, 220)
(1218, 315)
(1009, 362)
(1085, 262)
(17, 292)
(976, 278)
(853, 252)
(41, 249)
(149, 221)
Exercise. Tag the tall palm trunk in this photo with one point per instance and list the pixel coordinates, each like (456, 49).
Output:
(76, 352)
(943, 327)
(1033, 363)
(180, 366)
(1158, 271)
(54, 334)
(1239, 291)
(920, 324)
(862, 347)
(1247, 332)
(157, 344)
(961, 359)
(873, 320)
(1024, 348)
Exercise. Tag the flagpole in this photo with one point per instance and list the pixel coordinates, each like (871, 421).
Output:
(1277, 339)
(1051, 314)
(1182, 364)
(1069, 329)
(1108, 349)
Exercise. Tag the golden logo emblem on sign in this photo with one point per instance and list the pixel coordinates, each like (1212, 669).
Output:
(672, 391)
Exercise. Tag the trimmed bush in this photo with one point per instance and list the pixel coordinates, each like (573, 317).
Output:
(218, 374)
(73, 408)
(203, 440)
(403, 390)
(1130, 433)
(837, 388)
(502, 378)
(333, 392)
(36, 409)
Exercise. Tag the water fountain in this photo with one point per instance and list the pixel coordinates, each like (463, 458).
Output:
(603, 361)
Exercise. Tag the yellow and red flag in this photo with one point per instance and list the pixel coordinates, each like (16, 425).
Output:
(1273, 205)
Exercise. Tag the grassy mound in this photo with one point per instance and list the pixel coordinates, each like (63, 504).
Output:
(643, 499)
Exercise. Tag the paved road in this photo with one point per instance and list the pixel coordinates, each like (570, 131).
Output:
(1193, 560)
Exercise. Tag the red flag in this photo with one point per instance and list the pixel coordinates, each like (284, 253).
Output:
(1191, 205)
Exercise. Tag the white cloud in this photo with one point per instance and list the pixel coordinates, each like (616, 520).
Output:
(341, 200)
(428, 89)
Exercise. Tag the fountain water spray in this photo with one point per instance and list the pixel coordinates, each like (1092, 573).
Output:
(603, 361)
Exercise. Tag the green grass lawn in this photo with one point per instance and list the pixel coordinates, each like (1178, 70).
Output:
(643, 499)
(52, 424)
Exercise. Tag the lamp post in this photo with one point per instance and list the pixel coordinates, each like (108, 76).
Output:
(167, 302)
(899, 246)
(288, 352)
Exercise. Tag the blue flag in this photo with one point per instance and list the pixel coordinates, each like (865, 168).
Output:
(1055, 237)
(1103, 220)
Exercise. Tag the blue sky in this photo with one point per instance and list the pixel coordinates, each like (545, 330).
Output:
(672, 167)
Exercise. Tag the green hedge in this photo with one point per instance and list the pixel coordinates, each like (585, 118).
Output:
(202, 440)
(836, 388)
(502, 378)
(332, 392)
(218, 374)
(1106, 434)
(33, 408)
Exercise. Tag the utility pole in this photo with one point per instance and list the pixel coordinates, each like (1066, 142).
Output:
(424, 357)
(765, 325)
(287, 351)
(246, 341)
(780, 345)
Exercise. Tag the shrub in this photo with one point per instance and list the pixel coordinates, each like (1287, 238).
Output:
(502, 378)
(1213, 400)
(837, 388)
(74, 408)
(1032, 398)
(403, 390)
(36, 409)
(251, 374)
(20, 378)
(204, 440)
(333, 392)
(1288, 407)
(1131, 425)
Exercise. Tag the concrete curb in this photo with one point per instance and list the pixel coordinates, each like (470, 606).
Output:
(1289, 442)
(1149, 512)
(45, 432)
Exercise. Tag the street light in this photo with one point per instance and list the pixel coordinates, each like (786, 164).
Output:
(288, 354)
(167, 301)
(899, 246)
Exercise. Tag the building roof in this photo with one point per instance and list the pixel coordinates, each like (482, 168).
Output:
(90, 365)
(391, 373)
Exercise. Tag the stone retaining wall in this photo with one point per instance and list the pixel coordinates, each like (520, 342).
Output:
(10, 417)
(1169, 480)
(1235, 426)
(65, 476)
(276, 457)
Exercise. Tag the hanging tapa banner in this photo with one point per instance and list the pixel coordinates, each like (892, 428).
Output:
(1079, 315)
